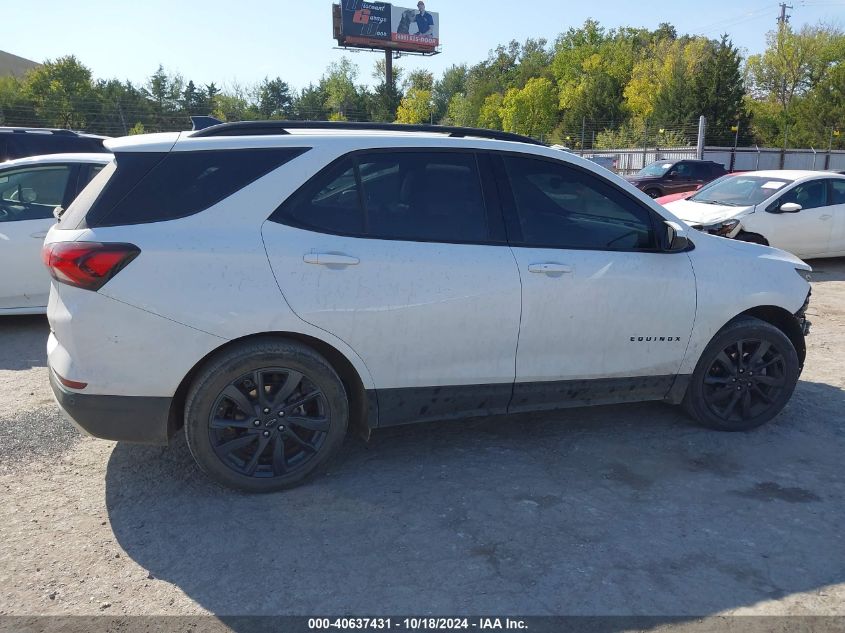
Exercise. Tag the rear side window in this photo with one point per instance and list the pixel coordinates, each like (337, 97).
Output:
(559, 206)
(149, 187)
(400, 195)
(837, 191)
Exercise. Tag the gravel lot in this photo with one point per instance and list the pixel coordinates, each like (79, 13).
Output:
(612, 510)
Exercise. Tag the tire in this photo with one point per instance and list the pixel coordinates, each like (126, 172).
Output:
(288, 435)
(652, 193)
(719, 396)
(754, 238)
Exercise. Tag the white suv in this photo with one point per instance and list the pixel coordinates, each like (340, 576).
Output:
(268, 285)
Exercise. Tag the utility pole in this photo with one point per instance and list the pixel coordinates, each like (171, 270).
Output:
(783, 19)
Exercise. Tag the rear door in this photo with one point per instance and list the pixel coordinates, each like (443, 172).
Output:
(28, 196)
(836, 207)
(397, 253)
(606, 317)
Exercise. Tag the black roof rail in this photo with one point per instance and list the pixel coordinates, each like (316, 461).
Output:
(40, 130)
(261, 128)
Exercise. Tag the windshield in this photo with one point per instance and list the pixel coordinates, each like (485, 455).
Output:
(740, 191)
(655, 169)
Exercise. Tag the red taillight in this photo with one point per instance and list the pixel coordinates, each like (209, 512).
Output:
(72, 384)
(87, 265)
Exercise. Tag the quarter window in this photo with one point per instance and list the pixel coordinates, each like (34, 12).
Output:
(33, 193)
(399, 195)
(562, 207)
(837, 191)
(151, 189)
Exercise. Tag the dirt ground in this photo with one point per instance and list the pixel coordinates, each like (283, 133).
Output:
(612, 510)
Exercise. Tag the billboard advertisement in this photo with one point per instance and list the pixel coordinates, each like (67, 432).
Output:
(364, 24)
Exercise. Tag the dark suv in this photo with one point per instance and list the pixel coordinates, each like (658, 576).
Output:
(664, 177)
(16, 142)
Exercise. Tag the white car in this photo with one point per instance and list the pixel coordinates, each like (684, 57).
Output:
(30, 189)
(268, 285)
(802, 212)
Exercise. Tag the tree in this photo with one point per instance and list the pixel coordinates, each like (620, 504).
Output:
(194, 100)
(459, 111)
(61, 92)
(274, 99)
(532, 110)
(385, 98)
(490, 116)
(419, 79)
(415, 107)
(342, 96)
(310, 105)
(451, 83)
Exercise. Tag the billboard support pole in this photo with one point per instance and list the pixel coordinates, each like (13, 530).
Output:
(388, 68)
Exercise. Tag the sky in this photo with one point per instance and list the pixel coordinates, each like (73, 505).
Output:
(242, 42)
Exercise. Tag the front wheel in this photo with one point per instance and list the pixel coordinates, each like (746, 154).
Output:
(653, 193)
(744, 378)
(265, 415)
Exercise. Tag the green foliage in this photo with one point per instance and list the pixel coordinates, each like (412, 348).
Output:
(608, 87)
(531, 110)
(490, 116)
(61, 92)
(415, 107)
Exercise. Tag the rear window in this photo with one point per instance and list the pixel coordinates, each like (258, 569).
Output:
(145, 187)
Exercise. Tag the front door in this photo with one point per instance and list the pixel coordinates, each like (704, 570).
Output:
(396, 254)
(808, 232)
(28, 196)
(605, 316)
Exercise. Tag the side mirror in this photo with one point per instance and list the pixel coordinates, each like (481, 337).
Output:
(674, 238)
(790, 207)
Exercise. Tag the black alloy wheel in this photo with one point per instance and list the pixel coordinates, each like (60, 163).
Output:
(745, 380)
(265, 414)
(269, 422)
(744, 377)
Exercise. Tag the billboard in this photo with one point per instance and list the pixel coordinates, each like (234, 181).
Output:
(382, 25)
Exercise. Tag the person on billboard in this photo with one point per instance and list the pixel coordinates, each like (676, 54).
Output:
(425, 21)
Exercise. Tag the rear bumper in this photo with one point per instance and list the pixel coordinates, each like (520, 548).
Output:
(141, 420)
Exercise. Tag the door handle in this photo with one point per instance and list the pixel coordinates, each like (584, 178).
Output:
(39, 234)
(549, 268)
(330, 259)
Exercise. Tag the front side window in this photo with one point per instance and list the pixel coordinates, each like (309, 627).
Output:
(32, 193)
(810, 195)
(398, 195)
(559, 206)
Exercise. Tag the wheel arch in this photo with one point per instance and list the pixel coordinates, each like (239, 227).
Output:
(783, 320)
(362, 416)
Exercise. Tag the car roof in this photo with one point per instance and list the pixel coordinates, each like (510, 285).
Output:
(49, 131)
(48, 159)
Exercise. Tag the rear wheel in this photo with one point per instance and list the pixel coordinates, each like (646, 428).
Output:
(744, 378)
(265, 415)
(653, 193)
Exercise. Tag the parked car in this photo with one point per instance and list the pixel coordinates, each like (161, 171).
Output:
(802, 212)
(665, 177)
(30, 190)
(267, 287)
(21, 142)
(608, 162)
